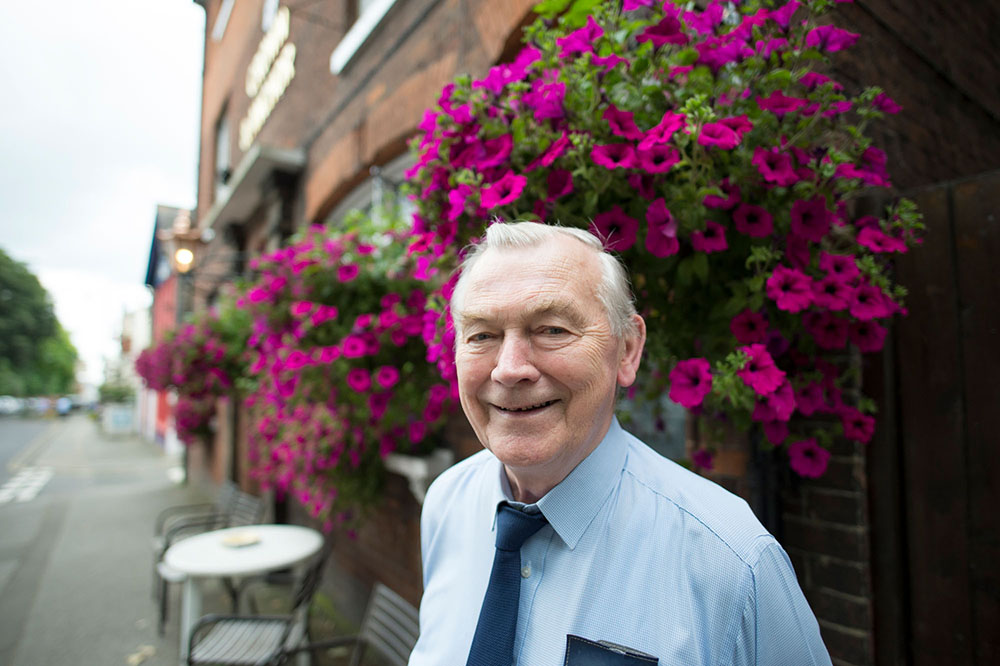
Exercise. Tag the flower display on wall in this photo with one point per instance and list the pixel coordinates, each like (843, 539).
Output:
(710, 149)
(340, 367)
(202, 361)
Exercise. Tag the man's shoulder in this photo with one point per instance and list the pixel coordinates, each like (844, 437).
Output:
(702, 503)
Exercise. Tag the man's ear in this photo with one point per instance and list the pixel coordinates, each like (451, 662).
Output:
(628, 364)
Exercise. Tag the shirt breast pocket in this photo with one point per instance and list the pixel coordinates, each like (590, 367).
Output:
(584, 652)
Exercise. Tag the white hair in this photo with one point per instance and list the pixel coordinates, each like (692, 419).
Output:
(613, 291)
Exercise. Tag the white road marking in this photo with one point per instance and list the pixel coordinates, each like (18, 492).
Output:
(26, 485)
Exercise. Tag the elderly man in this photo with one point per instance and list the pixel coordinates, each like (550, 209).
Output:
(568, 540)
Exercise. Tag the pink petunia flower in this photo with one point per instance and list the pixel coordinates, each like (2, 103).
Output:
(690, 382)
(621, 123)
(495, 152)
(378, 403)
(732, 192)
(609, 62)
(616, 229)
(560, 183)
(658, 158)
(718, 135)
(809, 399)
(828, 330)
(553, 152)
(813, 80)
(868, 336)
(359, 380)
(857, 426)
(581, 40)
(779, 104)
(885, 104)
(832, 293)
(810, 218)
(632, 5)
(667, 31)
(301, 308)
(664, 130)
(347, 272)
(387, 376)
(614, 155)
(753, 220)
(354, 346)
(740, 124)
(869, 303)
(877, 241)
(712, 239)
(778, 44)
(760, 372)
(841, 266)
(790, 289)
(661, 233)
(703, 459)
(797, 251)
(830, 38)
(457, 198)
(775, 166)
(781, 402)
(783, 15)
(776, 431)
(546, 96)
(417, 431)
(705, 22)
(807, 458)
(749, 327)
(503, 191)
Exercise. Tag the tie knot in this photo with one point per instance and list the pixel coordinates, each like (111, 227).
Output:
(514, 527)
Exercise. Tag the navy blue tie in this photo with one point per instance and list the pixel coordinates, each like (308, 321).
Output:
(493, 644)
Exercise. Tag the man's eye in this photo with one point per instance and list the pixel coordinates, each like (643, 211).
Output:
(554, 330)
(479, 337)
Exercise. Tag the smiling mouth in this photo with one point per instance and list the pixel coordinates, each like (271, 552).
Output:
(529, 408)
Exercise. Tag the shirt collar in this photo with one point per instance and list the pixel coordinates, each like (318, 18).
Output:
(570, 507)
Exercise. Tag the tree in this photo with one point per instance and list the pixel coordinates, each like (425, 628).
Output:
(36, 355)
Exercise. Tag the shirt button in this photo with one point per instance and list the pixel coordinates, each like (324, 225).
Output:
(526, 571)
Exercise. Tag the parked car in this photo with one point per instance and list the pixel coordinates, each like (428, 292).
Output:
(9, 405)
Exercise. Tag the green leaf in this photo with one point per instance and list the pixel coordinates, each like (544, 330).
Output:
(699, 264)
(577, 15)
(684, 271)
(551, 8)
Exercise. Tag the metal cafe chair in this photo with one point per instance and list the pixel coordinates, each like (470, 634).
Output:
(389, 629)
(256, 640)
(241, 509)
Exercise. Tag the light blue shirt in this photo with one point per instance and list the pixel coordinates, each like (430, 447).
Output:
(638, 551)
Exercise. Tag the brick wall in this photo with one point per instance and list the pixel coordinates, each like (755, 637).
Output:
(825, 531)
(940, 61)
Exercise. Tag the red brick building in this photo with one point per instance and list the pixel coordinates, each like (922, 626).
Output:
(303, 99)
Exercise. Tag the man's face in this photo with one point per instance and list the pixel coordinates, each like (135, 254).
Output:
(538, 365)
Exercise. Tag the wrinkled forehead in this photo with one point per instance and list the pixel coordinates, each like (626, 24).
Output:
(550, 277)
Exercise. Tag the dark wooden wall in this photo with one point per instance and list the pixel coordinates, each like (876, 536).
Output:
(935, 471)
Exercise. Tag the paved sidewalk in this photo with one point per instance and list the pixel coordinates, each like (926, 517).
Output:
(75, 561)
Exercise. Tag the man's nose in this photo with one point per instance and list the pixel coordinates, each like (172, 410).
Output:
(514, 361)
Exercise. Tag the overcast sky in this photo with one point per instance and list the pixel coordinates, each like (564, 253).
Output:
(99, 123)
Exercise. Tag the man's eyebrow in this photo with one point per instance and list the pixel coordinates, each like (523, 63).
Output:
(549, 308)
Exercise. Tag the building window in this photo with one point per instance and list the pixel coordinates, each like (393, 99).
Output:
(369, 15)
(379, 196)
(222, 19)
(223, 165)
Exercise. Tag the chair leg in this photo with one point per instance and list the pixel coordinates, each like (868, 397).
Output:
(164, 591)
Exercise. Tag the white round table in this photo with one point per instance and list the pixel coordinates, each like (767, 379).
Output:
(234, 552)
